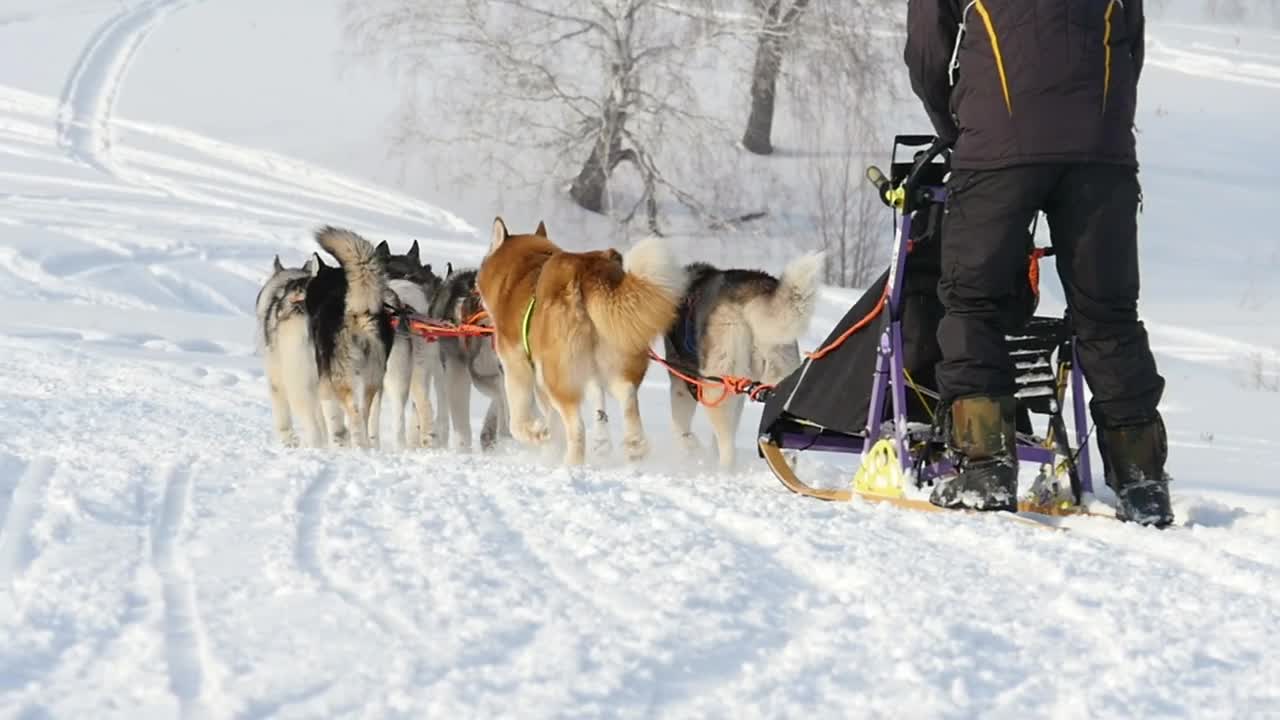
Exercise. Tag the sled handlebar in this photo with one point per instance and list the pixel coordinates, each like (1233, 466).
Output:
(904, 195)
(884, 187)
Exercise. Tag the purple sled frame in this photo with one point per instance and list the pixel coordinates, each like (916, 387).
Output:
(889, 371)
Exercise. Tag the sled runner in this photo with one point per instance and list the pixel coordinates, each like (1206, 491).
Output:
(868, 390)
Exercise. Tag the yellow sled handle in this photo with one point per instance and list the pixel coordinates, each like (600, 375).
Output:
(889, 195)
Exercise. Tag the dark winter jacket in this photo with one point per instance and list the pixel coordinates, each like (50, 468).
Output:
(1023, 81)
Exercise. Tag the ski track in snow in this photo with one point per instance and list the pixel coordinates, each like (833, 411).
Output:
(311, 557)
(166, 192)
(192, 677)
(1208, 61)
(22, 506)
(89, 99)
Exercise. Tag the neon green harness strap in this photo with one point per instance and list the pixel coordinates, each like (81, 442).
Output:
(524, 327)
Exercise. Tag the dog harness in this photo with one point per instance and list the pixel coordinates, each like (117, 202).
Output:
(524, 327)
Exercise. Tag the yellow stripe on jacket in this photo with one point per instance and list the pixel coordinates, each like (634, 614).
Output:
(995, 49)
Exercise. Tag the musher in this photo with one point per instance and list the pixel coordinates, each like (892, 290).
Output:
(1038, 98)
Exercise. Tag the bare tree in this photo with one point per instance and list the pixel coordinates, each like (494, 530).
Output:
(837, 35)
(592, 84)
(778, 22)
(846, 221)
(840, 89)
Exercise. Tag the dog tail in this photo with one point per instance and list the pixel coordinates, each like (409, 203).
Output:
(643, 304)
(784, 314)
(366, 274)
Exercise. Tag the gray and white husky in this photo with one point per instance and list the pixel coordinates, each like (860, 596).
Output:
(289, 352)
(737, 322)
(470, 361)
(415, 363)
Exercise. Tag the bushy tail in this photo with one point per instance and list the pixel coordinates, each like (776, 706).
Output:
(784, 315)
(643, 305)
(366, 275)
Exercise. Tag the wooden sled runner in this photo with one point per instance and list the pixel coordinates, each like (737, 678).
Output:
(1028, 513)
(869, 389)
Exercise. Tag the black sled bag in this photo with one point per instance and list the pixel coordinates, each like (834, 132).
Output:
(834, 391)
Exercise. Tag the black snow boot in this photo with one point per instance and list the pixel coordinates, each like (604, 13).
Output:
(983, 435)
(1133, 459)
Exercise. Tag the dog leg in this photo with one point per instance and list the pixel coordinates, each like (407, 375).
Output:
(489, 431)
(504, 421)
(373, 421)
(280, 414)
(635, 444)
(519, 383)
(400, 405)
(336, 418)
(396, 390)
(724, 421)
(575, 433)
(364, 398)
(439, 435)
(332, 409)
(683, 406)
(601, 443)
(459, 381)
(419, 388)
(353, 401)
(303, 397)
(495, 416)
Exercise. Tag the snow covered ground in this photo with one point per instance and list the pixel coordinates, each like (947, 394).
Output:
(161, 556)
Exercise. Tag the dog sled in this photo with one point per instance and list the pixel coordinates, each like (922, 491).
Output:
(869, 389)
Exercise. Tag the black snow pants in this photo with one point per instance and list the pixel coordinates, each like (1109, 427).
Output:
(1092, 214)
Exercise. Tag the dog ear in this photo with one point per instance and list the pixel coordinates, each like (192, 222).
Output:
(448, 270)
(313, 265)
(413, 253)
(542, 229)
(383, 250)
(276, 266)
(500, 234)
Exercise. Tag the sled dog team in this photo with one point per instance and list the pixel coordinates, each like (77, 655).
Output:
(567, 327)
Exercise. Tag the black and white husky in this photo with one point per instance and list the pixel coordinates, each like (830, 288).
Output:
(351, 329)
(285, 340)
(737, 322)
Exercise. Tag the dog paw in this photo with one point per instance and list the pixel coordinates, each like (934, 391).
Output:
(636, 447)
(574, 456)
(690, 443)
(289, 439)
(532, 432)
(601, 444)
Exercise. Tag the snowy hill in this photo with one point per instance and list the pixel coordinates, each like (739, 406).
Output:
(162, 556)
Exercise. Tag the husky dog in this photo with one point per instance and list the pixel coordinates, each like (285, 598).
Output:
(415, 363)
(284, 337)
(737, 322)
(469, 361)
(564, 319)
(409, 267)
(406, 373)
(352, 330)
